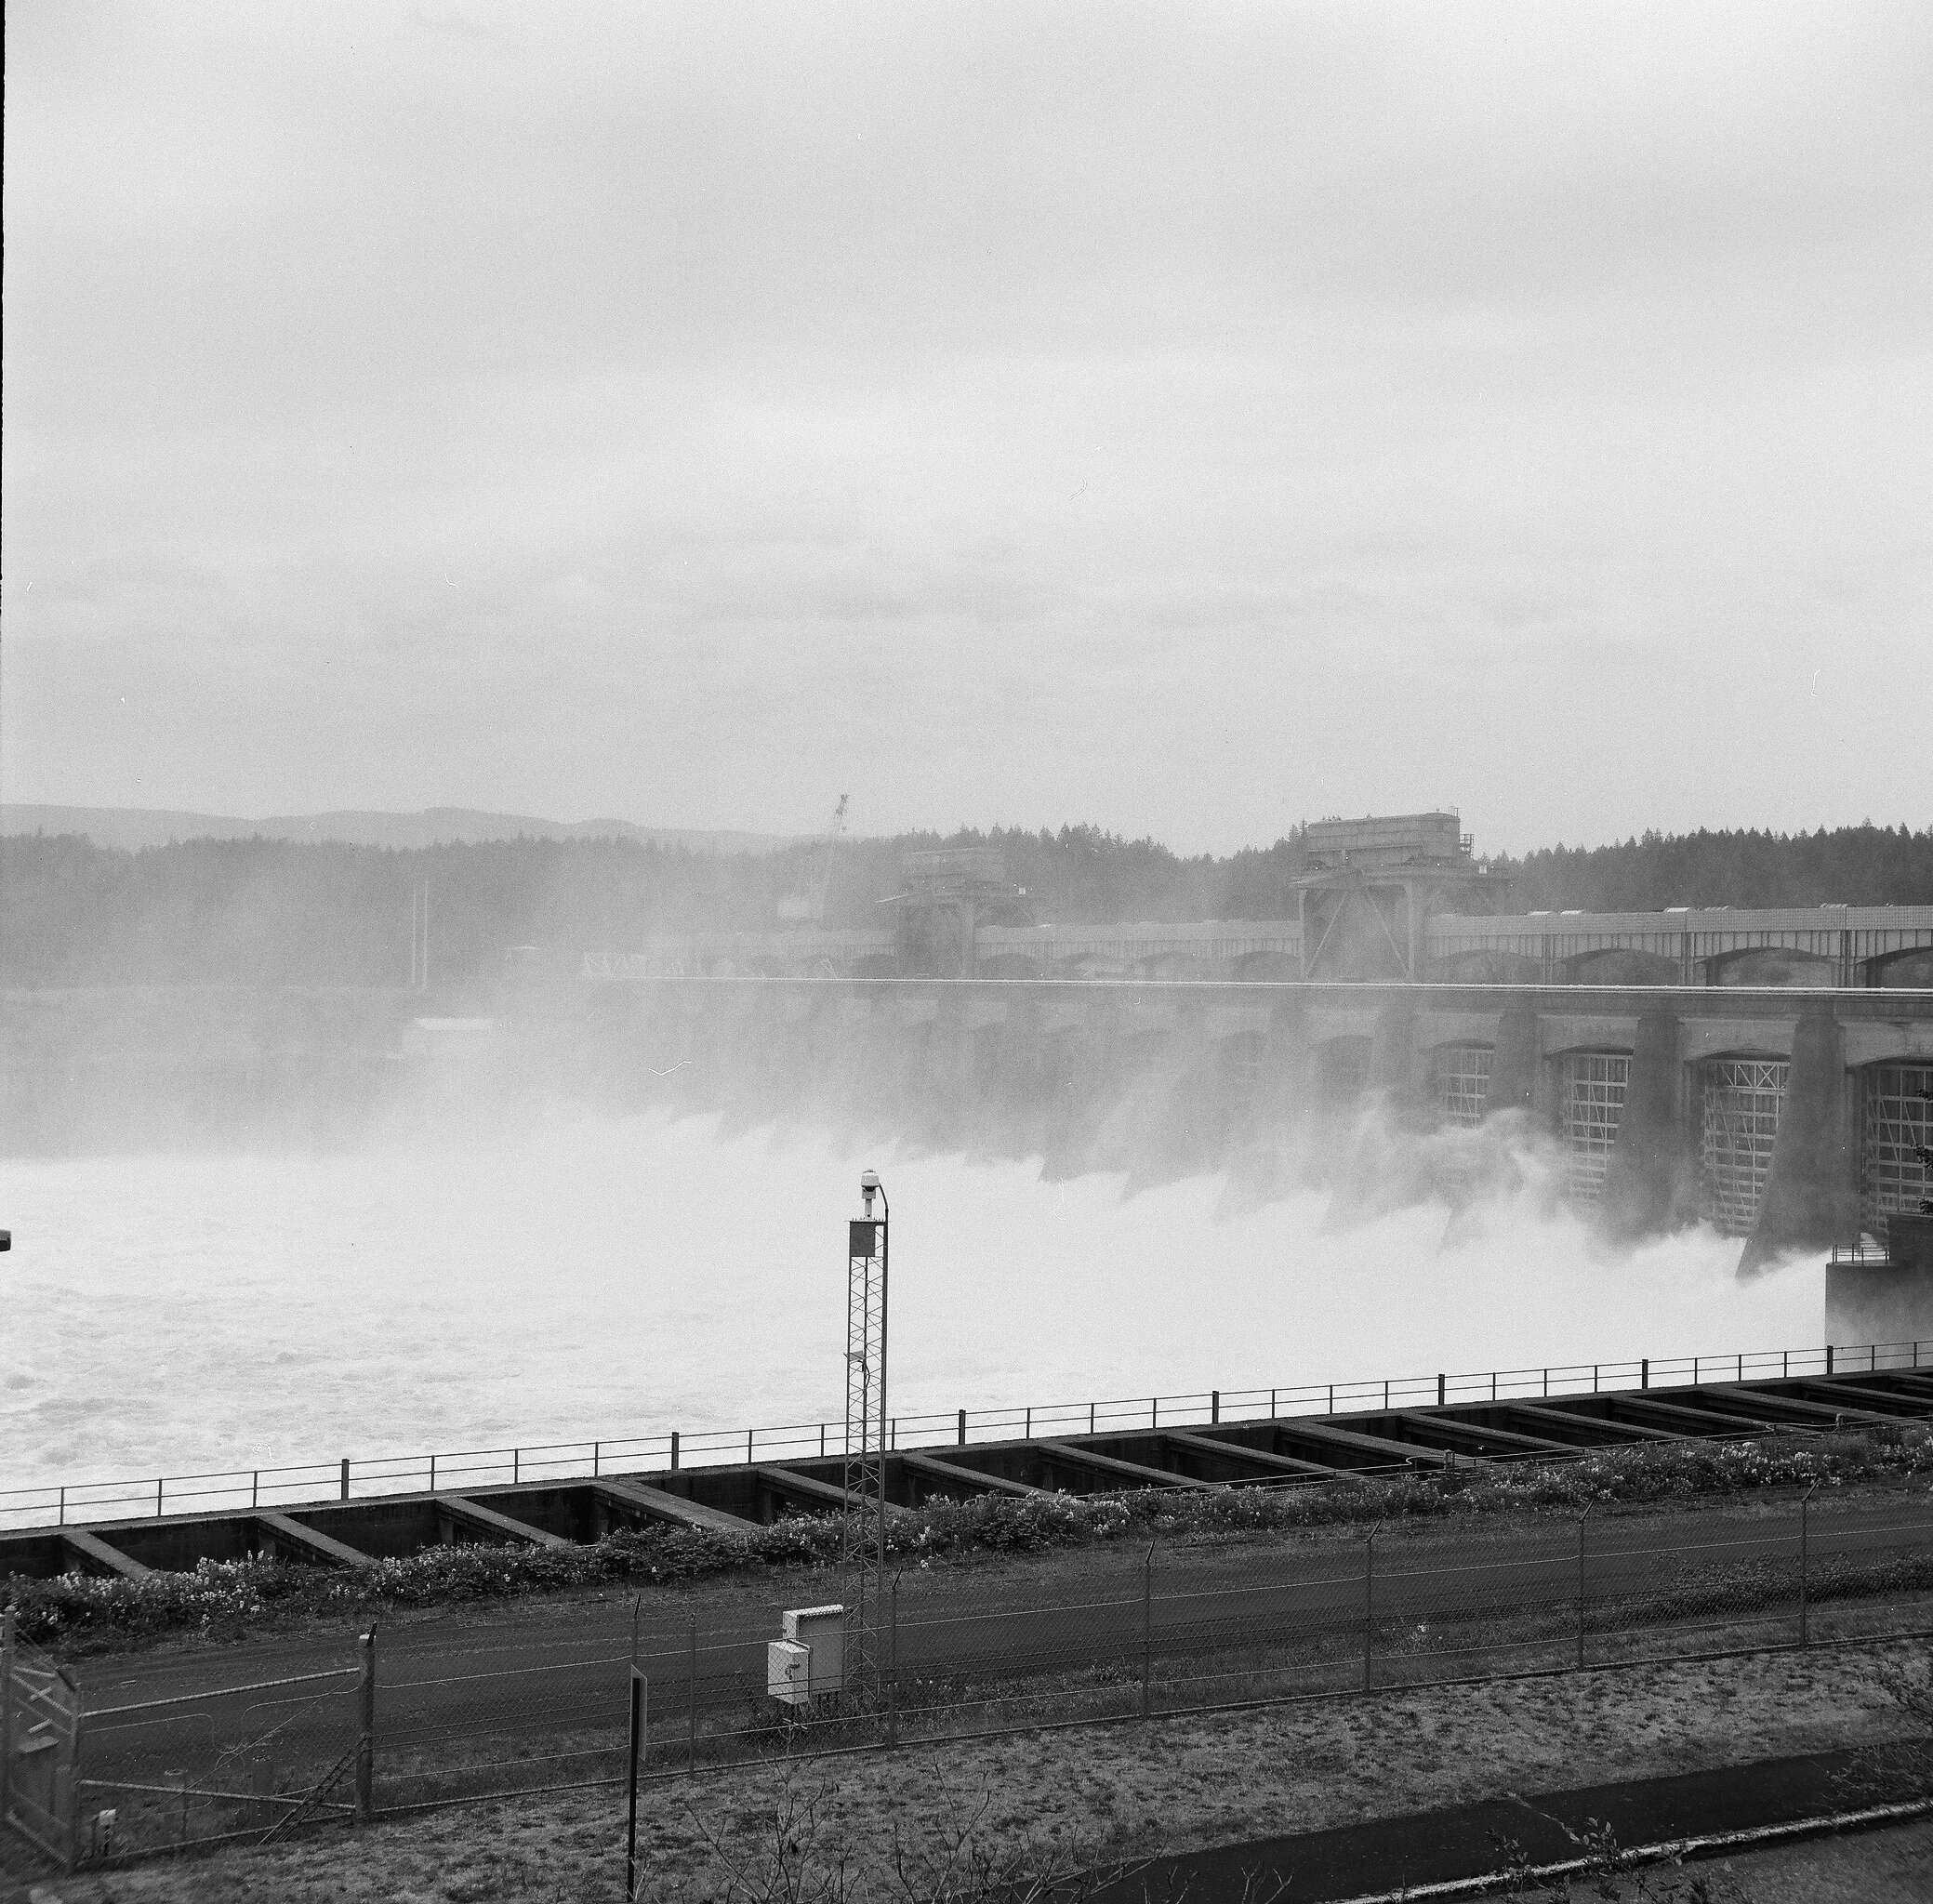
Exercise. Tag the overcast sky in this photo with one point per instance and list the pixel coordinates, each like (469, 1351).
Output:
(1182, 417)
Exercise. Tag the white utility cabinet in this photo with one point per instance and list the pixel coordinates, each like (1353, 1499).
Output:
(809, 1660)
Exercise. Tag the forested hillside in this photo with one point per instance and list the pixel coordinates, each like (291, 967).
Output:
(274, 912)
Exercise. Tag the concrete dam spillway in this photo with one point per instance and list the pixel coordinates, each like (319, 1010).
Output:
(1768, 1073)
(1791, 1119)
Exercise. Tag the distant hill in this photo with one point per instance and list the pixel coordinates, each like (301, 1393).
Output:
(131, 828)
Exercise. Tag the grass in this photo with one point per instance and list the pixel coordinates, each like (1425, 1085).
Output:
(76, 1614)
(1116, 1793)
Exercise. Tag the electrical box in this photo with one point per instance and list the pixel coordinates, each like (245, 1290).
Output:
(808, 1662)
(788, 1672)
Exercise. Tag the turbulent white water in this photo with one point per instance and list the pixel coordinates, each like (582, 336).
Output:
(614, 1276)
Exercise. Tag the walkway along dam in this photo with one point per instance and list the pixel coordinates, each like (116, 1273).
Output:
(555, 1497)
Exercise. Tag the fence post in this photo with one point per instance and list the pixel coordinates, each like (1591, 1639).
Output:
(640, 1694)
(962, 1427)
(691, 1700)
(433, 1473)
(1441, 1386)
(6, 1713)
(1829, 1358)
(893, 1664)
(1580, 1601)
(1091, 1417)
(597, 1456)
(345, 1477)
(63, 1507)
(516, 1466)
(1804, 1567)
(1369, 1606)
(1214, 1406)
(674, 1448)
(158, 1479)
(365, 1728)
(1644, 1372)
(1148, 1630)
(1029, 1436)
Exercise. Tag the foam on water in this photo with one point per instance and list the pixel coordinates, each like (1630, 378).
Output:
(619, 1275)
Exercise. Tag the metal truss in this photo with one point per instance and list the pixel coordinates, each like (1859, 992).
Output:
(1591, 1108)
(1462, 1083)
(1739, 1125)
(1896, 1133)
(864, 1543)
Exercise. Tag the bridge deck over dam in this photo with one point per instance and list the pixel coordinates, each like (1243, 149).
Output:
(1823, 945)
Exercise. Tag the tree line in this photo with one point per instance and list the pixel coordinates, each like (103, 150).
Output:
(283, 912)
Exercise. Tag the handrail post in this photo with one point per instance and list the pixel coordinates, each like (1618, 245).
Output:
(345, 1477)
(674, 1448)
(1214, 1407)
(962, 1427)
(1644, 1372)
(1442, 1384)
(365, 1730)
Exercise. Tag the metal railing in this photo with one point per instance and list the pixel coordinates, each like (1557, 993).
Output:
(357, 1477)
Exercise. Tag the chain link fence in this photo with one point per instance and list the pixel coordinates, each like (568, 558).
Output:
(538, 1699)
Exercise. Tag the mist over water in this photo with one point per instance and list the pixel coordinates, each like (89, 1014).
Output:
(620, 1273)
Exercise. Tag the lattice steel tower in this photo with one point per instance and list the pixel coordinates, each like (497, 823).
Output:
(864, 1547)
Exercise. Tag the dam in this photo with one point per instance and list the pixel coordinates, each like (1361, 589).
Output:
(1787, 1117)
